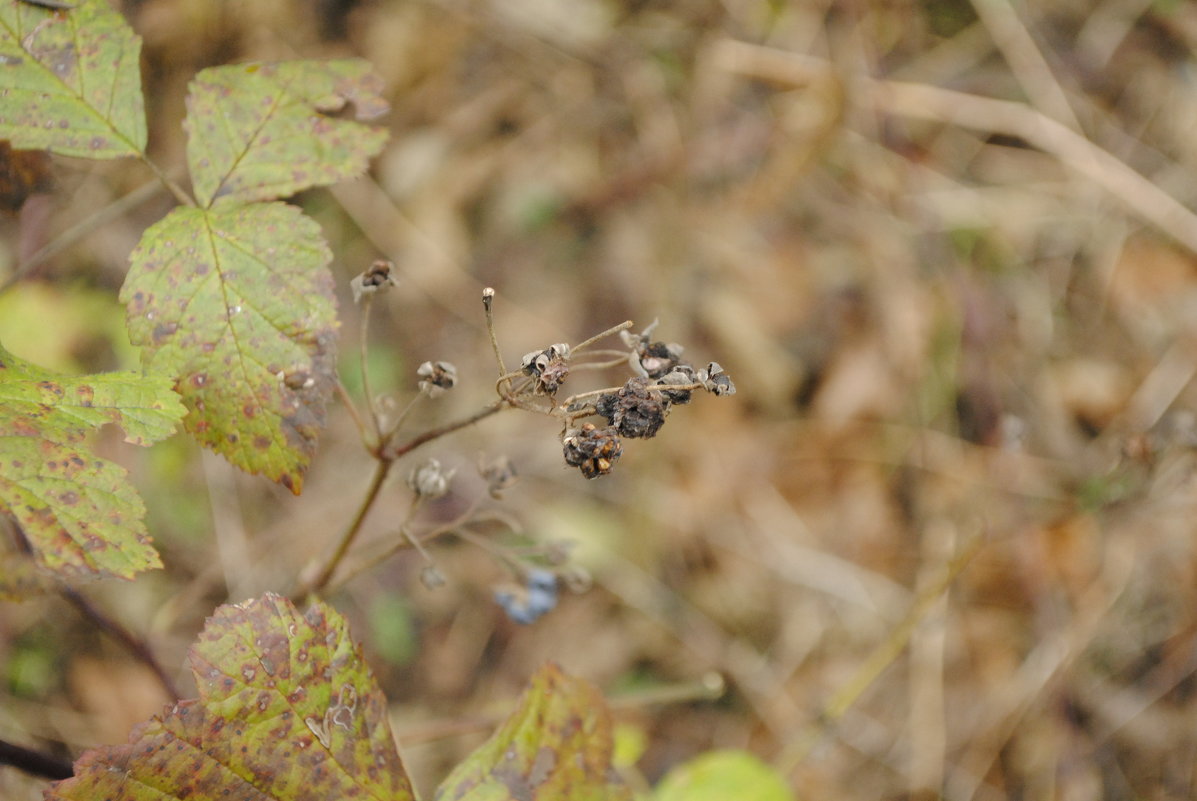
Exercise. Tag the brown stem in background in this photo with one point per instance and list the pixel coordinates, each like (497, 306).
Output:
(435, 433)
(320, 582)
(135, 645)
(35, 763)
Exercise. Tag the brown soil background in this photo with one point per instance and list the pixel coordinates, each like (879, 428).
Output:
(953, 328)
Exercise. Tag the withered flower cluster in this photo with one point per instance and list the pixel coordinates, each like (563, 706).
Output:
(638, 409)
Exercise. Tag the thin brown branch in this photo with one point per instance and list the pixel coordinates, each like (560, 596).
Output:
(381, 470)
(34, 763)
(81, 229)
(134, 644)
(435, 433)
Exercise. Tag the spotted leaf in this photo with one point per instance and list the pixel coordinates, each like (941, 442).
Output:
(70, 80)
(77, 513)
(265, 131)
(287, 710)
(236, 304)
(556, 745)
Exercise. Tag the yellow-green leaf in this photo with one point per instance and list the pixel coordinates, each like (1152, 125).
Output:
(70, 80)
(265, 131)
(77, 512)
(720, 775)
(288, 711)
(556, 745)
(236, 304)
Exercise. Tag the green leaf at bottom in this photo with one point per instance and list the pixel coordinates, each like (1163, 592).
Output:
(557, 745)
(288, 711)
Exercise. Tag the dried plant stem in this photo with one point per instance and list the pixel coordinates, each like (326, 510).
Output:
(401, 418)
(615, 329)
(134, 644)
(407, 540)
(392, 453)
(876, 662)
(381, 470)
(34, 763)
(81, 229)
(1141, 198)
(488, 297)
(363, 344)
(179, 192)
(343, 394)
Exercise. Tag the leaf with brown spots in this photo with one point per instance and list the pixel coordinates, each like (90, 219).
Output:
(266, 131)
(70, 80)
(236, 304)
(287, 711)
(557, 745)
(77, 513)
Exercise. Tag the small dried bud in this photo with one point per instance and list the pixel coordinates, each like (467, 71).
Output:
(379, 277)
(591, 449)
(429, 480)
(637, 341)
(715, 380)
(682, 375)
(659, 358)
(436, 378)
(635, 410)
(488, 297)
(549, 367)
(432, 577)
(499, 474)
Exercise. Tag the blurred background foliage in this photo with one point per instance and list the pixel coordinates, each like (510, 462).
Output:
(948, 336)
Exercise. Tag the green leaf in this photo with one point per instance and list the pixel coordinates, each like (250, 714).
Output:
(263, 131)
(70, 81)
(719, 775)
(556, 745)
(287, 711)
(78, 512)
(236, 303)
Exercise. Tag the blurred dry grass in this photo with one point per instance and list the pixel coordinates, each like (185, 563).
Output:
(946, 328)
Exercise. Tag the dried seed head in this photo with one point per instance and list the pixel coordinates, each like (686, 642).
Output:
(715, 380)
(499, 474)
(432, 577)
(658, 358)
(635, 410)
(682, 375)
(549, 367)
(488, 296)
(378, 277)
(436, 378)
(430, 480)
(591, 449)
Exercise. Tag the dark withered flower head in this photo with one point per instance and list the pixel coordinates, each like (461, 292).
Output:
(549, 367)
(591, 449)
(715, 380)
(436, 378)
(635, 410)
(378, 277)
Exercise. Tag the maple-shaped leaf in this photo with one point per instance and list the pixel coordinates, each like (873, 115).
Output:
(79, 514)
(265, 131)
(288, 711)
(556, 745)
(70, 80)
(236, 303)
